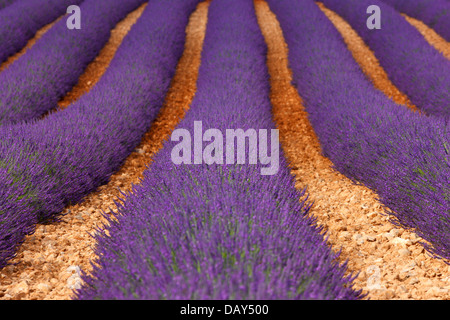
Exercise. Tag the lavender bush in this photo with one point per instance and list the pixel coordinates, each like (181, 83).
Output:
(48, 164)
(412, 64)
(434, 13)
(218, 231)
(401, 155)
(5, 3)
(35, 83)
(21, 19)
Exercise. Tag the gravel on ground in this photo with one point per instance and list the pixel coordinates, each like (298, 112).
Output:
(390, 261)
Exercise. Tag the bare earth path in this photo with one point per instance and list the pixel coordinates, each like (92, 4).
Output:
(29, 44)
(49, 261)
(392, 264)
(97, 68)
(439, 43)
(366, 59)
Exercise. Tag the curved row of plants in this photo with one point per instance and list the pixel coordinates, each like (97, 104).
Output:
(22, 19)
(218, 231)
(35, 83)
(413, 65)
(48, 164)
(402, 155)
(434, 13)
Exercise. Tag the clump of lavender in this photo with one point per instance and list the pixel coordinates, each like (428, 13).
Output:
(434, 13)
(5, 3)
(22, 19)
(48, 164)
(218, 231)
(403, 156)
(413, 65)
(35, 83)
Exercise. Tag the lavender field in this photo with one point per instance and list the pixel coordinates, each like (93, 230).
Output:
(224, 150)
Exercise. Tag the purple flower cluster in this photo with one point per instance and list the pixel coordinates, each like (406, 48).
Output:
(403, 156)
(48, 164)
(35, 83)
(5, 3)
(218, 231)
(413, 65)
(434, 13)
(20, 20)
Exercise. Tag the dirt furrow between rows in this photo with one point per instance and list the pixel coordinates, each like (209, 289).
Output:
(49, 261)
(390, 261)
(366, 59)
(439, 43)
(95, 70)
(29, 44)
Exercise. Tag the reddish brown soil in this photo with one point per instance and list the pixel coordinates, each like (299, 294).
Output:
(95, 70)
(366, 59)
(29, 44)
(439, 43)
(392, 264)
(47, 261)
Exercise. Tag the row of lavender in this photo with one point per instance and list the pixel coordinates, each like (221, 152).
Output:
(402, 155)
(51, 163)
(22, 19)
(218, 231)
(434, 13)
(5, 3)
(412, 64)
(35, 83)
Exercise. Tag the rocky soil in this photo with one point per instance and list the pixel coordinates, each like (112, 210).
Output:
(390, 261)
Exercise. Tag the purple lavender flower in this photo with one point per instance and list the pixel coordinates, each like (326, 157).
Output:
(48, 164)
(20, 20)
(218, 231)
(434, 13)
(403, 156)
(36, 82)
(413, 65)
(5, 3)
